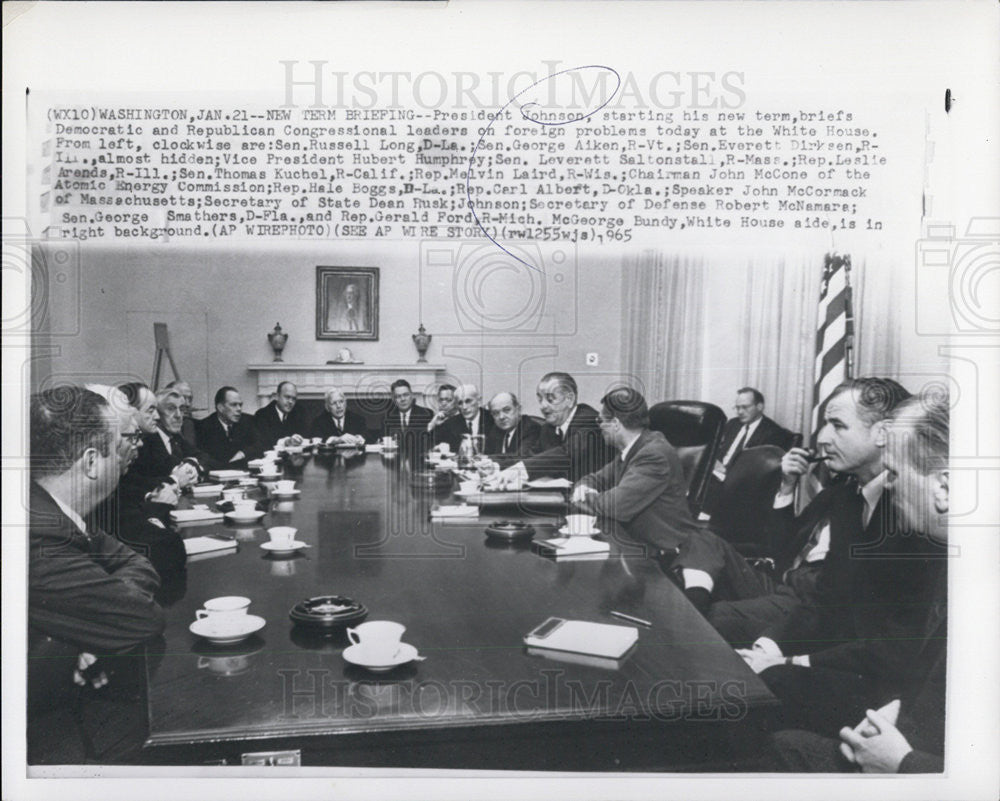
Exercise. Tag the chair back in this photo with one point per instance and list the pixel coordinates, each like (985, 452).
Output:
(695, 430)
(747, 496)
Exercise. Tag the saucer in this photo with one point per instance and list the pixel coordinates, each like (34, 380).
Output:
(406, 653)
(268, 476)
(229, 631)
(273, 547)
(295, 493)
(589, 533)
(244, 517)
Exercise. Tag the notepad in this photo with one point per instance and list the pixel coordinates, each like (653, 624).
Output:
(228, 475)
(573, 546)
(194, 515)
(549, 483)
(459, 511)
(583, 637)
(196, 546)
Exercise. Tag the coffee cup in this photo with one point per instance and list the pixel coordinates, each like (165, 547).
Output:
(270, 456)
(245, 505)
(282, 536)
(389, 442)
(379, 640)
(469, 486)
(234, 494)
(284, 485)
(224, 609)
(578, 525)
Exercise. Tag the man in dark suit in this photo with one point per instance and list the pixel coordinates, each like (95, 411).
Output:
(187, 426)
(643, 489)
(281, 418)
(165, 455)
(447, 407)
(867, 601)
(336, 425)
(816, 542)
(87, 593)
(471, 419)
(906, 735)
(406, 420)
(514, 436)
(570, 444)
(228, 436)
(749, 429)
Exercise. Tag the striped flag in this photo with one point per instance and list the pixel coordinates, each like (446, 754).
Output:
(834, 346)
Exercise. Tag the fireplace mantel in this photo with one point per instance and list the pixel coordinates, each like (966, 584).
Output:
(356, 380)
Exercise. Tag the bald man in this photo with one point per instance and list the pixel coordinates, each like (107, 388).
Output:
(513, 436)
(336, 425)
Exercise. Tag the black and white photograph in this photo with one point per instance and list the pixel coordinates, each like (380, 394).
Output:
(491, 400)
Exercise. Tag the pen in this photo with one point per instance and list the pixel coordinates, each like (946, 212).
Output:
(638, 620)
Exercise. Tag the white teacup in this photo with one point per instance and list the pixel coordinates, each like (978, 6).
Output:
(389, 442)
(469, 486)
(578, 525)
(443, 448)
(245, 505)
(282, 536)
(224, 609)
(234, 494)
(379, 639)
(270, 456)
(284, 485)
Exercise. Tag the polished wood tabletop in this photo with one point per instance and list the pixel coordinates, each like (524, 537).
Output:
(466, 602)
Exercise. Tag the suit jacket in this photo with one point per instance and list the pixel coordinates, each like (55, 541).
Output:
(767, 432)
(866, 611)
(922, 702)
(583, 451)
(144, 526)
(212, 440)
(323, 425)
(524, 441)
(153, 463)
(89, 591)
(454, 428)
(646, 493)
(419, 418)
(270, 428)
(415, 438)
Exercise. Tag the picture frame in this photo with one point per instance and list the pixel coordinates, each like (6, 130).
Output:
(347, 303)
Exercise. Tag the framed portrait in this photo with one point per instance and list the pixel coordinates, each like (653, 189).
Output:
(347, 303)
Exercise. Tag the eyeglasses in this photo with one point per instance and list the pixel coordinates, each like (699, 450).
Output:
(132, 436)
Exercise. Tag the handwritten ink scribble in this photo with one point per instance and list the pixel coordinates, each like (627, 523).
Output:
(531, 110)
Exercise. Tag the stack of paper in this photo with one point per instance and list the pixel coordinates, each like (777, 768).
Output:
(203, 547)
(194, 515)
(583, 637)
(567, 547)
(461, 510)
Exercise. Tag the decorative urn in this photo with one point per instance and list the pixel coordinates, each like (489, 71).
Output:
(277, 338)
(422, 340)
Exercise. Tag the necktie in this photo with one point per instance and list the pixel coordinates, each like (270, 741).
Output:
(229, 431)
(339, 422)
(559, 434)
(468, 425)
(507, 439)
(740, 442)
(171, 445)
(405, 419)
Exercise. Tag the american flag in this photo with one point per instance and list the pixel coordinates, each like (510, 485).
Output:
(834, 343)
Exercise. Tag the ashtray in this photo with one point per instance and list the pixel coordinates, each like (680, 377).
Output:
(510, 531)
(327, 613)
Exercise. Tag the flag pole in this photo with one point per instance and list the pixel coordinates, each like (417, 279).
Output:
(848, 322)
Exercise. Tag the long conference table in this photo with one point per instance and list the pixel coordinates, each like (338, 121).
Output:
(681, 699)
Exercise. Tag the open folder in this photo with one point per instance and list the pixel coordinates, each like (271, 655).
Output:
(583, 637)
